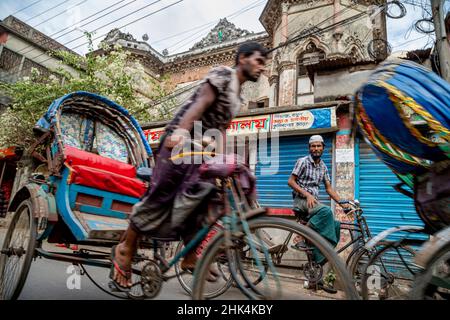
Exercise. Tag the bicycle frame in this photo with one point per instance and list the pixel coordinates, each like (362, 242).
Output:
(236, 212)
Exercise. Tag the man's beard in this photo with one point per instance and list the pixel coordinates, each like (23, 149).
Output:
(249, 77)
(316, 157)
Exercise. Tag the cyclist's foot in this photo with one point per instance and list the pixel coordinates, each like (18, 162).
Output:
(121, 265)
(301, 245)
(189, 261)
(188, 264)
(326, 287)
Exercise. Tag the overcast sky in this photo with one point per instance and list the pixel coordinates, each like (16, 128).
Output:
(52, 16)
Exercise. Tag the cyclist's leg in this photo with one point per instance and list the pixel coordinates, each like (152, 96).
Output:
(149, 213)
(322, 221)
(194, 225)
(300, 206)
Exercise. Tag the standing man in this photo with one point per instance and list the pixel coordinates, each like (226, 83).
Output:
(309, 172)
(3, 35)
(215, 103)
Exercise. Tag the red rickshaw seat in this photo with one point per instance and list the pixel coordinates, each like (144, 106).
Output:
(107, 181)
(76, 157)
(91, 170)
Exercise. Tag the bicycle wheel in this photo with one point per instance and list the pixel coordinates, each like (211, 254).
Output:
(433, 283)
(248, 274)
(17, 252)
(280, 281)
(357, 262)
(388, 272)
(212, 289)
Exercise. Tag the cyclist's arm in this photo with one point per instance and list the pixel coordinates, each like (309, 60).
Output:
(333, 194)
(293, 184)
(206, 97)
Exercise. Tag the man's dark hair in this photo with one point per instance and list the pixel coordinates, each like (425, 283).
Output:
(248, 48)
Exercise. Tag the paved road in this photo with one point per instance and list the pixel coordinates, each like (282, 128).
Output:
(47, 280)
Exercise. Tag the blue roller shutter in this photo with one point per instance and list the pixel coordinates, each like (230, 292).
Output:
(273, 191)
(383, 206)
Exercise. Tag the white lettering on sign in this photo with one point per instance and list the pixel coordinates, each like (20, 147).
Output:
(299, 120)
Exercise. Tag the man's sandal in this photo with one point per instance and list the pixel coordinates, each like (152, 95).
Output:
(116, 267)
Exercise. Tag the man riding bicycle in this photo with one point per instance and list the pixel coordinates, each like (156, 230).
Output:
(215, 103)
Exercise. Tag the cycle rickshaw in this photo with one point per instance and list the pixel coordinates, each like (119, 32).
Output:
(403, 112)
(77, 184)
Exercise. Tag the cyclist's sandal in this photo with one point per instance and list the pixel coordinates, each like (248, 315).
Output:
(120, 270)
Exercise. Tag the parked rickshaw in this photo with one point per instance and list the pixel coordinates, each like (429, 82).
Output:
(403, 112)
(75, 185)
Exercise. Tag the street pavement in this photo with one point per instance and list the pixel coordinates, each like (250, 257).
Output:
(48, 280)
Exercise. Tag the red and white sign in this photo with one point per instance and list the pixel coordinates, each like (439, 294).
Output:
(289, 121)
(153, 135)
(249, 125)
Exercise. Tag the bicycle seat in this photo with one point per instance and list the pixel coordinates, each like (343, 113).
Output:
(144, 173)
(301, 215)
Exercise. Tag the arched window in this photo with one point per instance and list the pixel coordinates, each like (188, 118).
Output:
(305, 81)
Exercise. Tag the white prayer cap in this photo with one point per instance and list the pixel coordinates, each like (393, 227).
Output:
(316, 138)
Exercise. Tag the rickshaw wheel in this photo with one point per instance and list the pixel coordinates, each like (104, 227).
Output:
(434, 282)
(17, 252)
(151, 279)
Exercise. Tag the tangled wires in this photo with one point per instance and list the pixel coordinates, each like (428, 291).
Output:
(390, 9)
(419, 25)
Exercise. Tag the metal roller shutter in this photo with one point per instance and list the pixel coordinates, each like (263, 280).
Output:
(273, 191)
(383, 206)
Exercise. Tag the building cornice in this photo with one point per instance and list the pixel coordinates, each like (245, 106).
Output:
(31, 35)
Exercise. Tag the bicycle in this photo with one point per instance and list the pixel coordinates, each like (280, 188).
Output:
(241, 233)
(277, 249)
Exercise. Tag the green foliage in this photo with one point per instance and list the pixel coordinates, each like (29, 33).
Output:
(113, 75)
(330, 278)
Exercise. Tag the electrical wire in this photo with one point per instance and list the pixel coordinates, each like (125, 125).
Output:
(45, 11)
(53, 34)
(209, 24)
(60, 13)
(134, 21)
(82, 36)
(24, 8)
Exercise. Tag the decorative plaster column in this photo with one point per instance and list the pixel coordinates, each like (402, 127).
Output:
(337, 32)
(273, 94)
(286, 86)
(284, 21)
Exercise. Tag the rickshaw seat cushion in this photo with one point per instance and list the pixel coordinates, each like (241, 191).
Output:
(75, 157)
(107, 181)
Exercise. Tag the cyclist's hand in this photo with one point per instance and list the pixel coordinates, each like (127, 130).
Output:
(311, 201)
(173, 140)
(345, 205)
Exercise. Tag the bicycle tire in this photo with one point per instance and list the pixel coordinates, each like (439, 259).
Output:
(187, 287)
(359, 257)
(218, 245)
(387, 275)
(422, 288)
